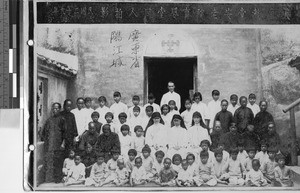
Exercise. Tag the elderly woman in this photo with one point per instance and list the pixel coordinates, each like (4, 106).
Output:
(107, 141)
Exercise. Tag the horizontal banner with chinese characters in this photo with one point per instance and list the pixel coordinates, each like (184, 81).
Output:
(167, 13)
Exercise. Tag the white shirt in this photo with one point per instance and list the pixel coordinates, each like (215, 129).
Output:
(77, 170)
(201, 108)
(171, 96)
(125, 143)
(156, 135)
(167, 119)
(89, 112)
(118, 108)
(255, 108)
(177, 137)
(172, 113)
(262, 157)
(187, 117)
(213, 107)
(196, 134)
(134, 121)
(82, 119)
(102, 111)
(130, 112)
(232, 109)
(155, 106)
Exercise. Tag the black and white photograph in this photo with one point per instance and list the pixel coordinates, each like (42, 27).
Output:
(165, 95)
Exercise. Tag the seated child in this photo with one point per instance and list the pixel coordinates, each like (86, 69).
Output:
(269, 165)
(158, 162)
(193, 166)
(188, 113)
(76, 174)
(248, 160)
(138, 141)
(95, 116)
(131, 157)
(176, 162)
(125, 141)
(135, 120)
(99, 172)
(283, 173)
(220, 167)
(89, 157)
(263, 154)
(242, 155)
(112, 166)
(167, 174)
(205, 174)
(225, 153)
(165, 115)
(147, 162)
(205, 144)
(255, 177)
(122, 173)
(138, 175)
(185, 177)
(68, 163)
(236, 169)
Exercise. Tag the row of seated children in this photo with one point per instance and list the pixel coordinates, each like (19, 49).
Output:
(187, 172)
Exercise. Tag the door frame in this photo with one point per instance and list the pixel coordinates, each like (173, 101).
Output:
(146, 72)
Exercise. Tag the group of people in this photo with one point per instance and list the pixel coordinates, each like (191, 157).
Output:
(202, 146)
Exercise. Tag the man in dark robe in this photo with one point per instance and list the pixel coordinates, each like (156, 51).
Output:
(53, 136)
(224, 116)
(262, 119)
(71, 128)
(243, 116)
(107, 141)
(271, 137)
(230, 139)
(90, 136)
(251, 139)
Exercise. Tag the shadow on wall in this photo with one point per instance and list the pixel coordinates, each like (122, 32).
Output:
(281, 86)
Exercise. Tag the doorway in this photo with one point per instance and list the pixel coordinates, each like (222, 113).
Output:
(181, 71)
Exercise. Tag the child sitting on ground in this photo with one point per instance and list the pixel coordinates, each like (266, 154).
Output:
(255, 177)
(269, 165)
(248, 161)
(262, 156)
(158, 162)
(68, 163)
(220, 167)
(205, 144)
(236, 169)
(122, 174)
(112, 166)
(225, 153)
(176, 162)
(138, 175)
(130, 161)
(193, 166)
(185, 177)
(147, 162)
(99, 172)
(76, 174)
(283, 173)
(205, 176)
(167, 175)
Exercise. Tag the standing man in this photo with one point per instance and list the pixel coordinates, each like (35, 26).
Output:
(171, 95)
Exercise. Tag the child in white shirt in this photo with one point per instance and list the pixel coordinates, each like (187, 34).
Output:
(188, 113)
(255, 177)
(185, 177)
(151, 102)
(233, 103)
(201, 107)
(102, 109)
(68, 163)
(254, 107)
(176, 162)
(165, 115)
(138, 175)
(138, 141)
(214, 107)
(125, 141)
(76, 174)
(131, 157)
(122, 174)
(135, 120)
(118, 107)
(99, 172)
(135, 102)
(158, 163)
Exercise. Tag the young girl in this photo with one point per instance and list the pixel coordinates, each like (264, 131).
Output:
(185, 177)
(242, 155)
(165, 109)
(188, 113)
(122, 174)
(147, 162)
(138, 141)
(158, 162)
(156, 134)
(173, 108)
(167, 175)
(205, 147)
(109, 117)
(255, 177)
(196, 134)
(176, 162)
(118, 107)
(199, 106)
(236, 169)
(125, 141)
(193, 166)
(89, 157)
(177, 137)
(112, 166)
(99, 172)
(76, 173)
(205, 175)
(132, 153)
(68, 163)
(135, 120)
(283, 173)
(248, 162)
(269, 166)
(220, 167)
(138, 175)
(102, 109)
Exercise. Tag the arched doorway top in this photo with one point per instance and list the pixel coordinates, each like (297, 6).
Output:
(170, 43)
